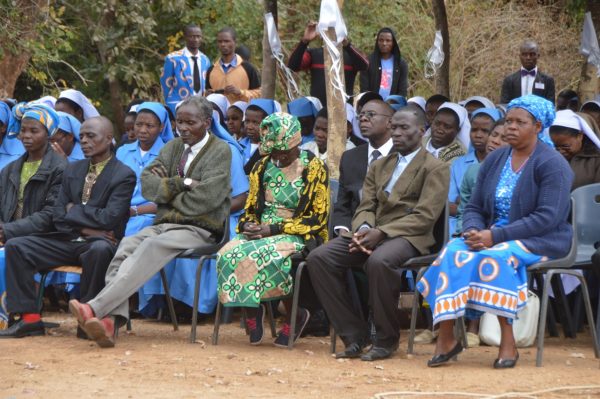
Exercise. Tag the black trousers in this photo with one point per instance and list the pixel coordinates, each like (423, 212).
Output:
(328, 265)
(25, 256)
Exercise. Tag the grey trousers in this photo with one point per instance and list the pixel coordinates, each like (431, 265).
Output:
(138, 258)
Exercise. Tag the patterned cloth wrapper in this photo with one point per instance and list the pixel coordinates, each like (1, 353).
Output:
(279, 131)
(540, 108)
(40, 112)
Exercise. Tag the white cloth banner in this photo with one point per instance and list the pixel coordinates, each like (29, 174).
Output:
(331, 17)
(290, 83)
(589, 42)
(435, 56)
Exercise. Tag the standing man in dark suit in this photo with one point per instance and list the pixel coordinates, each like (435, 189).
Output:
(403, 196)
(89, 217)
(373, 121)
(529, 80)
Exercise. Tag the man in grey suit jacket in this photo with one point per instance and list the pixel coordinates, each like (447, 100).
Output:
(528, 80)
(403, 196)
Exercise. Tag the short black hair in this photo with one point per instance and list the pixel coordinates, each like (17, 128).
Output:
(190, 26)
(568, 94)
(76, 107)
(416, 111)
(437, 99)
(499, 122)
(230, 30)
(322, 113)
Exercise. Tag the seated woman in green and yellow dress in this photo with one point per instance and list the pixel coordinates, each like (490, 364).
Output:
(286, 212)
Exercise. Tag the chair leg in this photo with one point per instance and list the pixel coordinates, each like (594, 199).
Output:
(542, 321)
(588, 310)
(128, 324)
(215, 336)
(413, 315)
(197, 297)
(163, 277)
(333, 339)
(40, 298)
(271, 315)
(460, 332)
(564, 311)
(296, 299)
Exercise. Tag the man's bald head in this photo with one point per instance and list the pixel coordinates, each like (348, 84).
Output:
(529, 53)
(96, 135)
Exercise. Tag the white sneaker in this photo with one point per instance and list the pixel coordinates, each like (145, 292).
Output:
(426, 337)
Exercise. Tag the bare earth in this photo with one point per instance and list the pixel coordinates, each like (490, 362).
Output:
(155, 362)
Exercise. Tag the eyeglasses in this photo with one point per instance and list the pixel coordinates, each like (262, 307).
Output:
(370, 114)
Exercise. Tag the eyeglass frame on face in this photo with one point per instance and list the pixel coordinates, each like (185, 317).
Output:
(370, 114)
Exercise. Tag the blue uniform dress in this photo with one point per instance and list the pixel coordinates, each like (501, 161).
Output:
(247, 149)
(457, 171)
(10, 150)
(492, 280)
(182, 275)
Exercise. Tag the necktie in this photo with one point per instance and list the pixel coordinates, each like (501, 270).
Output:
(184, 158)
(525, 72)
(90, 180)
(196, 74)
(375, 155)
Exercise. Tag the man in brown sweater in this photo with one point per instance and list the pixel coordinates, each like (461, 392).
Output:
(230, 75)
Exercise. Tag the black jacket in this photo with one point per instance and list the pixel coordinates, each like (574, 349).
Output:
(108, 206)
(304, 58)
(371, 78)
(38, 198)
(511, 87)
(353, 169)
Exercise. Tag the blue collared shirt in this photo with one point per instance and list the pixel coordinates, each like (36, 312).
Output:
(248, 151)
(227, 67)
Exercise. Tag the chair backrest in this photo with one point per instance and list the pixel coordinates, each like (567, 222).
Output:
(586, 219)
(334, 187)
(441, 230)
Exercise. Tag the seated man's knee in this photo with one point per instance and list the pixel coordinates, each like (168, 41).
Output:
(379, 261)
(102, 248)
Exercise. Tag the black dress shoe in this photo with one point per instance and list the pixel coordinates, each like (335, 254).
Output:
(444, 358)
(506, 363)
(21, 329)
(352, 351)
(379, 353)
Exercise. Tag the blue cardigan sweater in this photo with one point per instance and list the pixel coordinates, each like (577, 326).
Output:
(539, 207)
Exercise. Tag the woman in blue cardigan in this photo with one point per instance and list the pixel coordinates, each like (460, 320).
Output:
(517, 216)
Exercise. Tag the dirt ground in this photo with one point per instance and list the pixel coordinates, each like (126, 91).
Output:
(153, 361)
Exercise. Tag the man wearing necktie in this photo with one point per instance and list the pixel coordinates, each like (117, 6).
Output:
(528, 80)
(403, 196)
(189, 181)
(184, 72)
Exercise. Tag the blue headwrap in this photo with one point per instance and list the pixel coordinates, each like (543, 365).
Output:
(398, 101)
(301, 107)
(218, 130)
(5, 114)
(69, 124)
(266, 104)
(491, 112)
(40, 112)
(541, 109)
(161, 113)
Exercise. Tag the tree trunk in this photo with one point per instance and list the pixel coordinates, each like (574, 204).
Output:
(269, 67)
(12, 64)
(442, 79)
(588, 83)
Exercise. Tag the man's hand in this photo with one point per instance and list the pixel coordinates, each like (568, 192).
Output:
(58, 149)
(310, 32)
(160, 171)
(106, 234)
(69, 206)
(366, 240)
(232, 89)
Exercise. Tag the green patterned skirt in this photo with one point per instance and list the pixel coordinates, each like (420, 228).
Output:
(252, 270)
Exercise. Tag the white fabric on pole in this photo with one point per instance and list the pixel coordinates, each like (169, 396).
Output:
(291, 87)
(435, 56)
(589, 42)
(331, 17)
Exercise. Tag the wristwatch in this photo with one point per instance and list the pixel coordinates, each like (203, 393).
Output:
(187, 183)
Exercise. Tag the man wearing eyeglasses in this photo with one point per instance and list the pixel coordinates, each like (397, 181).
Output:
(403, 195)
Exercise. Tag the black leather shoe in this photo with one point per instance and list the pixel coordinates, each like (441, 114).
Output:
(352, 351)
(379, 353)
(444, 358)
(21, 329)
(506, 363)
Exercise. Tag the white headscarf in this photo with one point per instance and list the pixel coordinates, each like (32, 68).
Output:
(589, 102)
(568, 118)
(220, 101)
(487, 103)
(464, 132)
(420, 101)
(46, 100)
(89, 111)
(351, 117)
